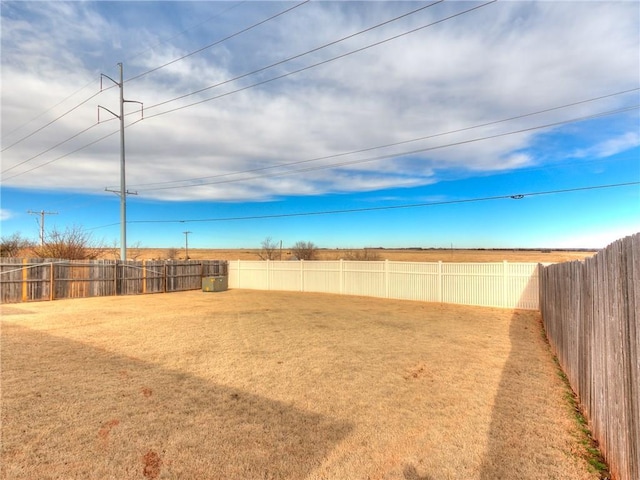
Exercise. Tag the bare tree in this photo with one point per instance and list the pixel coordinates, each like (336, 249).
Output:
(172, 253)
(268, 249)
(72, 244)
(135, 251)
(304, 250)
(12, 245)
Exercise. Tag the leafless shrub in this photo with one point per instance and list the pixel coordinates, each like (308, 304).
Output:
(134, 251)
(304, 250)
(269, 249)
(172, 253)
(72, 244)
(12, 245)
(366, 254)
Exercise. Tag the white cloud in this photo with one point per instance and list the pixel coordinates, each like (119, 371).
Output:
(610, 146)
(5, 214)
(616, 145)
(498, 62)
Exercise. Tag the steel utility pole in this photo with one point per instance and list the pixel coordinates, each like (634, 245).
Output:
(42, 213)
(123, 187)
(186, 244)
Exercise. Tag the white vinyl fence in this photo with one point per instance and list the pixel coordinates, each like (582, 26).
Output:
(505, 285)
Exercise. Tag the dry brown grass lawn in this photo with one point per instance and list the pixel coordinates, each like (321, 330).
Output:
(274, 385)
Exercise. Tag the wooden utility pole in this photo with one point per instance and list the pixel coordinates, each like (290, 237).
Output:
(42, 213)
(186, 244)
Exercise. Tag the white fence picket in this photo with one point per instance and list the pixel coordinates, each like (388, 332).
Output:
(507, 285)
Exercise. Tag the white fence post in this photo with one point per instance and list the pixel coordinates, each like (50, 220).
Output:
(386, 279)
(439, 288)
(302, 275)
(505, 287)
(341, 279)
(268, 274)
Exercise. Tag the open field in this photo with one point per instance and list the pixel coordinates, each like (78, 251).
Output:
(398, 255)
(278, 385)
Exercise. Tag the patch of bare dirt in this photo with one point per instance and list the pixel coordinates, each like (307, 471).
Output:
(152, 463)
(105, 430)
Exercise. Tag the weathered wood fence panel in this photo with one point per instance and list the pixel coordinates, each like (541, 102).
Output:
(23, 280)
(591, 314)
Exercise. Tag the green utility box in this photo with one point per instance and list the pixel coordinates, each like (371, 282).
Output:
(215, 284)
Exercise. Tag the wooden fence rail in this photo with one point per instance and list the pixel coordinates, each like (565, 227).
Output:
(24, 280)
(591, 314)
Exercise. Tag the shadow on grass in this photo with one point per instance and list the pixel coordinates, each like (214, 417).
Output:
(524, 430)
(70, 410)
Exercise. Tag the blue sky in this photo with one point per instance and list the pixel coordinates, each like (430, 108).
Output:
(402, 118)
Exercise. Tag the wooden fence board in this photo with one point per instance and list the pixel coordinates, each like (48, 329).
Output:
(24, 280)
(590, 313)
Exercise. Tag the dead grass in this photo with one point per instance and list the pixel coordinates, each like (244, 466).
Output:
(398, 255)
(278, 385)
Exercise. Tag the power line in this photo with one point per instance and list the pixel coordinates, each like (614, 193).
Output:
(51, 122)
(279, 77)
(270, 80)
(138, 76)
(46, 111)
(404, 142)
(515, 196)
(207, 88)
(357, 151)
(47, 150)
(66, 154)
(219, 14)
(219, 41)
(400, 154)
(253, 72)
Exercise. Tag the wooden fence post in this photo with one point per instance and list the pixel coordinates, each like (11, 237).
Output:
(144, 276)
(52, 286)
(25, 277)
(164, 278)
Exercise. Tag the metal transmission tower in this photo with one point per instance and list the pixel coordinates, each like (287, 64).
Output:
(123, 187)
(42, 213)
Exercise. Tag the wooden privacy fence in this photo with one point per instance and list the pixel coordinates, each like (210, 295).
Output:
(503, 284)
(23, 280)
(591, 312)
